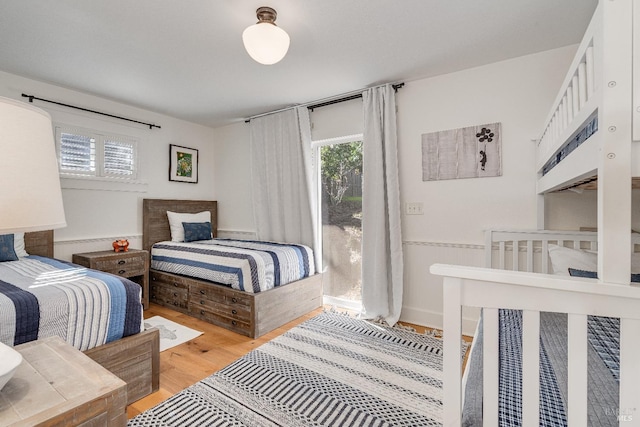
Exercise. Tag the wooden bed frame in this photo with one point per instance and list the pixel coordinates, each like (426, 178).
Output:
(492, 289)
(135, 359)
(248, 314)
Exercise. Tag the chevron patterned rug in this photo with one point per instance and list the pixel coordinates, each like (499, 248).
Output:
(332, 370)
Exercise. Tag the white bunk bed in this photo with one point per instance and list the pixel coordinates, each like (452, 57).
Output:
(598, 107)
(588, 138)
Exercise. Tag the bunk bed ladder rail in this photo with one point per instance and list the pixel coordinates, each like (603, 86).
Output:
(534, 293)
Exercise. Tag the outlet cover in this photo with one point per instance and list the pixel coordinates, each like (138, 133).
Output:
(414, 208)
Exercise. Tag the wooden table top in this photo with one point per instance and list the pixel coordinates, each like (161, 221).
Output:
(55, 379)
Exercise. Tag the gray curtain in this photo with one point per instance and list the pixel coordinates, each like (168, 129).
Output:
(382, 260)
(284, 199)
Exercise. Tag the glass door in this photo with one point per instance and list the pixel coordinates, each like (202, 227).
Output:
(341, 209)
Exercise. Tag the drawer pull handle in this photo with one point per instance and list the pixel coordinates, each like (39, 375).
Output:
(175, 303)
(234, 300)
(175, 294)
(122, 271)
(234, 323)
(202, 292)
(175, 284)
(202, 312)
(234, 311)
(201, 302)
(121, 262)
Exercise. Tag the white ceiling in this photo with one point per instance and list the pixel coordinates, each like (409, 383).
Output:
(185, 58)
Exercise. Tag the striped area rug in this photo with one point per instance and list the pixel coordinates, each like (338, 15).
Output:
(332, 370)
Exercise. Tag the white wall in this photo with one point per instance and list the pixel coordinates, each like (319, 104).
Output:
(96, 217)
(233, 177)
(568, 210)
(517, 93)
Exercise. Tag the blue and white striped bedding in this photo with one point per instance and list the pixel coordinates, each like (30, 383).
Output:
(42, 297)
(603, 372)
(244, 265)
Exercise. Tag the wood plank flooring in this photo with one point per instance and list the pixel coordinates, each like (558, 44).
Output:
(188, 363)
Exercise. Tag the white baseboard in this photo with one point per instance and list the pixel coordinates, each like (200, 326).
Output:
(355, 306)
(433, 319)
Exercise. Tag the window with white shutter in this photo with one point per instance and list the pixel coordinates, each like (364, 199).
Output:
(77, 153)
(88, 153)
(119, 158)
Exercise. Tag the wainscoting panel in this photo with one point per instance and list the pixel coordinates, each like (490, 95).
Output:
(236, 234)
(64, 249)
(422, 301)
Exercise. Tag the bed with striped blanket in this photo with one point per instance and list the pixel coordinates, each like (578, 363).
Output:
(41, 297)
(245, 265)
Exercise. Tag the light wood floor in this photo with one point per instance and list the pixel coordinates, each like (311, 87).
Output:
(188, 363)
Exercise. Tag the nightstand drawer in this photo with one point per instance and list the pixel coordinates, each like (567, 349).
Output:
(121, 265)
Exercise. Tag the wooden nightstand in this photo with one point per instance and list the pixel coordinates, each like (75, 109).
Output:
(133, 264)
(57, 384)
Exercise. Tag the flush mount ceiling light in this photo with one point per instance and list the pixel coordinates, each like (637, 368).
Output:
(265, 42)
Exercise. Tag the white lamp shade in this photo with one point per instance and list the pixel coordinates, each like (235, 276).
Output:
(30, 194)
(266, 43)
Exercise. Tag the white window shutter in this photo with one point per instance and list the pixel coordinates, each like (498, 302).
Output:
(119, 158)
(77, 153)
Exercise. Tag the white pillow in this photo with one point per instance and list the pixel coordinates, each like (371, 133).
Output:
(176, 219)
(564, 258)
(18, 245)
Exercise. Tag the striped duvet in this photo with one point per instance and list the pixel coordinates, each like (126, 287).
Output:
(42, 297)
(245, 265)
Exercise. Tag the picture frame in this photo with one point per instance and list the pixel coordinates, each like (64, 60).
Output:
(183, 164)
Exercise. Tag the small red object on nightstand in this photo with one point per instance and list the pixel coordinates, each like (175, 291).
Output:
(121, 245)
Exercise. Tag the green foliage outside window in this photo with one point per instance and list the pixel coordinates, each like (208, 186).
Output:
(338, 162)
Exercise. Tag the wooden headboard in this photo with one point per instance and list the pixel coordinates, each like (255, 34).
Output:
(155, 224)
(39, 243)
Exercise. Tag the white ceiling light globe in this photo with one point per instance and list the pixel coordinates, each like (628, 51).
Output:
(265, 42)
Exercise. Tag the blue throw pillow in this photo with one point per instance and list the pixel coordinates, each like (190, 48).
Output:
(7, 251)
(635, 277)
(196, 231)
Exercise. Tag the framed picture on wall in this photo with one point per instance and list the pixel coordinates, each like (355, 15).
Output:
(183, 164)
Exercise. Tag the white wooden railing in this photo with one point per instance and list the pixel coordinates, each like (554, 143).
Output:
(576, 101)
(533, 293)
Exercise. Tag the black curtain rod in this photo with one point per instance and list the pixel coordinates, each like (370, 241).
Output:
(31, 98)
(337, 100)
(346, 98)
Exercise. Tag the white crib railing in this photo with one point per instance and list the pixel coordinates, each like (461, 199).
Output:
(533, 293)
